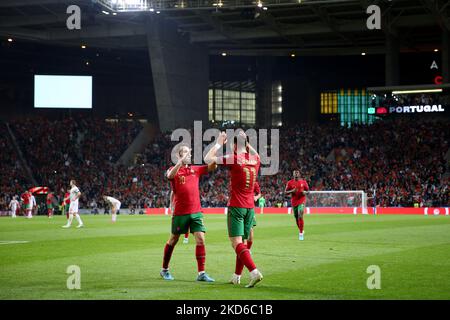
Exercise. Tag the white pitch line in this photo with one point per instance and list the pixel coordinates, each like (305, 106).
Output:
(12, 242)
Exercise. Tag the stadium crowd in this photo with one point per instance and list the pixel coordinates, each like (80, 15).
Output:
(12, 176)
(398, 163)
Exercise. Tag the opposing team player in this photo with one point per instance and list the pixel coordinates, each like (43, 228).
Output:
(115, 206)
(73, 207)
(187, 214)
(298, 189)
(244, 165)
(14, 206)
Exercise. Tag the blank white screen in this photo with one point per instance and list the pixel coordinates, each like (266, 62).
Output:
(63, 92)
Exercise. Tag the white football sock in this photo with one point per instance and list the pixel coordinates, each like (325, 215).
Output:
(254, 272)
(78, 218)
(69, 222)
(114, 217)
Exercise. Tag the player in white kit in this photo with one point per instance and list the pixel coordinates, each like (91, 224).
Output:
(115, 206)
(73, 207)
(33, 204)
(14, 205)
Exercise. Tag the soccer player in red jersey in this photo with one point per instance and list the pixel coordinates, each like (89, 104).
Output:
(50, 205)
(244, 166)
(187, 214)
(298, 188)
(26, 200)
(236, 278)
(186, 235)
(65, 204)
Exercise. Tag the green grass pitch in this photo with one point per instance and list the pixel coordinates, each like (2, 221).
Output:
(123, 260)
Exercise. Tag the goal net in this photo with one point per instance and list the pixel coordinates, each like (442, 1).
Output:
(356, 199)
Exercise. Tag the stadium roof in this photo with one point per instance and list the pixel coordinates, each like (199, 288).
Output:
(239, 27)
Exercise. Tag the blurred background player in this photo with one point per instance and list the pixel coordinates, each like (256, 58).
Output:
(297, 188)
(259, 198)
(33, 204)
(186, 235)
(115, 206)
(50, 199)
(26, 204)
(14, 206)
(244, 166)
(65, 204)
(187, 214)
(73, 207)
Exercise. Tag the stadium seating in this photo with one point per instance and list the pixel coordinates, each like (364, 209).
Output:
(403, 160)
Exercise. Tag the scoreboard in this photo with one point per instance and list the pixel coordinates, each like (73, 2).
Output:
(388, 101)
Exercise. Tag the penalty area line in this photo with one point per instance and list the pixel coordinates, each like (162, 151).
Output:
(12, 242)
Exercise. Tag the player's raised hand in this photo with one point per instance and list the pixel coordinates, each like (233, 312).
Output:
(242, 135)
(184, 157)
(222, 139)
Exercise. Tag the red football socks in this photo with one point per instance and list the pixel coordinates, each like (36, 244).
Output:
(239, 264)
(301, 224)
(168, 249)
(243, 254)
(200, 255)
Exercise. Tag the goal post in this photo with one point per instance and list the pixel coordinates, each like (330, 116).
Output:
(337, 199)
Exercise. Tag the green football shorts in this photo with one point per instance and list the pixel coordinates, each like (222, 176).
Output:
(299, 209)
(240, 221)
(193, 222)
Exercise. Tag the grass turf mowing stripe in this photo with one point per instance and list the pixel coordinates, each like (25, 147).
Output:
(122, 260)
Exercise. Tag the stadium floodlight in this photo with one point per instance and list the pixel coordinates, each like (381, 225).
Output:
(338, 199)
(416, 91)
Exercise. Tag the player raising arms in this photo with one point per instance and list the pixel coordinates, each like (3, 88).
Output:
(115, 206)
(187, 214)
(73, 207)
(244, 165)
(298, 189)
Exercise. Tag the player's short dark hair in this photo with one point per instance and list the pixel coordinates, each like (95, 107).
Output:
(236, 137)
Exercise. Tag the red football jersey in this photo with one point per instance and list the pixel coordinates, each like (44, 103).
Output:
(26, 198)
(244, 171)
(257, 188)
(49, 198)
(185, 186)
(297, 197)
(67, 198)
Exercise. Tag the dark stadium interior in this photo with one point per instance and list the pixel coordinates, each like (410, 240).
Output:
(225, 158)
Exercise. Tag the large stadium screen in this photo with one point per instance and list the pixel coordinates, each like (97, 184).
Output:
(56, 91)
